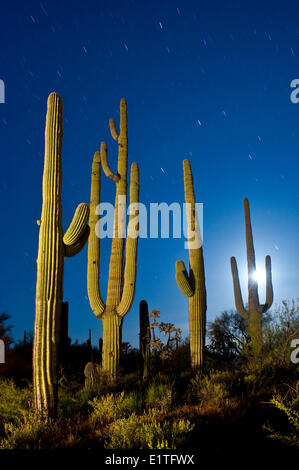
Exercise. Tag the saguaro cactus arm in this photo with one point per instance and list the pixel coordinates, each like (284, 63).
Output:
(113, 130)
(269, 286)
(77, 226)
(108, 172)
(131, 246)
(182, 279)
(93, 267)
(75, 248)
(237, 289)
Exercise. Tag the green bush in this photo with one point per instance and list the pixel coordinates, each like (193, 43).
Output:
(278, 334)
(290, 409)
(147, 432)
(210, 388)
(29, 433)
(71, 403)
(111, 407)
(159, 395)
(14, 401)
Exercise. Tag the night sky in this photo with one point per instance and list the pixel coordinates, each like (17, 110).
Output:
(204, 80)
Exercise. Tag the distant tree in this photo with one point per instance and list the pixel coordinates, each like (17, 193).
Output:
(5, 329)
(279, 332)
(227, 335)
(173, 337)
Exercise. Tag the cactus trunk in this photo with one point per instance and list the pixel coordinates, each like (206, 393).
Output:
(53, 247)
(197, 328)
(111, 343)
(50, 265)
(254, 328)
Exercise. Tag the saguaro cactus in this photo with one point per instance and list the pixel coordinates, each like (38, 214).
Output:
(121, 282)
(253, 315)
(192, 285)
(53, 247)
(144, 339)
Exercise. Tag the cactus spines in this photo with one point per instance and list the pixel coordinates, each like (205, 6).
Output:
(122, 276)
(145, 339)
(253, 315)
(192, 285)
(53, 247)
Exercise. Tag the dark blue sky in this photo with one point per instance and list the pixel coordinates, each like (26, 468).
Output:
(206, 80)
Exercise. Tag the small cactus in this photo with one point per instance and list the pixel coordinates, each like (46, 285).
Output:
(192, 285)
(91, 373)
(253, 315)
(53, 247)
(144, 339)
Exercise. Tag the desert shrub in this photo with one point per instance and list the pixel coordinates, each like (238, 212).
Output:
(210, 388)
(111, 407)
(227, 335)
(147, 432)
(14, 401)
(166, 435)
(71, 403)
(107, 408)
(290, 409)
(29, 433)
(132, 402)
(159, 394)
(279, 332)
(256, 375)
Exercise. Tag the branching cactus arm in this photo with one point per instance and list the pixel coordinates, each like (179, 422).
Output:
(93, 267)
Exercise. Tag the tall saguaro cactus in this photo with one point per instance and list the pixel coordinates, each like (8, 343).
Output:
(122, 278)
(253, 315)
(192, 285)
(53, 247)
(145, 339)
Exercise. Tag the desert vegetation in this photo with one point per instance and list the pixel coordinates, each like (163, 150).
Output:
(236, 396)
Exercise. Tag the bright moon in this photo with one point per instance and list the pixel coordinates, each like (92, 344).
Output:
(259, 275)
